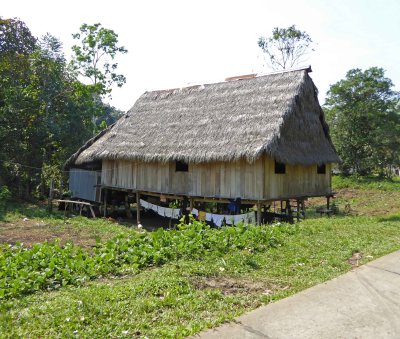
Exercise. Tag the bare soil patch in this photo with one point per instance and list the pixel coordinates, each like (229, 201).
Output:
(363, 202)
(33, 231)
(354, 260)
(229, 286)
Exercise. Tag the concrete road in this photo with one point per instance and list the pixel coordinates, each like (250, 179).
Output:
(364, 303)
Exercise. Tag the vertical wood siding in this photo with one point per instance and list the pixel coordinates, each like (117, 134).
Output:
(83, 184)
(255, 180)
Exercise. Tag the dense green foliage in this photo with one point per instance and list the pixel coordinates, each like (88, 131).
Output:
(41, 102)
(50, 265)
(92, 58)
(364, 117)
(286, 47)
(5, 196)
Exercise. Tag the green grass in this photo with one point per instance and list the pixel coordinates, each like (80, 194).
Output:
(176, 300)
(366, 183)
(181, 295)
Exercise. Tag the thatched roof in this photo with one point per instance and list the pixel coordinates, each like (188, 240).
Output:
(277, 114)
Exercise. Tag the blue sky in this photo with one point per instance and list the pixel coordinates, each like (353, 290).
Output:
(174, 43)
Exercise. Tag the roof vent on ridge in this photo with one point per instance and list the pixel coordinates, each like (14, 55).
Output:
(239, 77)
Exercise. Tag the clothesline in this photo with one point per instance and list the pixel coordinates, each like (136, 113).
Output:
(173, 213)
(217, 219)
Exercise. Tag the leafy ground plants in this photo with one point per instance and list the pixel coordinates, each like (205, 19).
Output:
(50, 265)
(176, 283)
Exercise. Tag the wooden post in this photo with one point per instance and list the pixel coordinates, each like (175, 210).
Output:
(51, 196)
(327, 202)
(138, 207)
(65, 210)
(127, 207)
(105, 202)
(289, 211)
(92, 211)
(298, 210)
(258, 214)
(191, 204)
(303, 210)
(61, 189)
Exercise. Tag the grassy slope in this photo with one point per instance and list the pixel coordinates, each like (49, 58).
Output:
(182, 298)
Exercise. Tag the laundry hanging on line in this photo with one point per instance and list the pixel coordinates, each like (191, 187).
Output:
(217, 219)
(174, 213)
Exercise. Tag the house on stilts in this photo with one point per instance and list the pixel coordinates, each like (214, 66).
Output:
(260, 138)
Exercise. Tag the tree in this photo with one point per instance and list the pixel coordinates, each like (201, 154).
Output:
(16, 46)
(362, 111)
(42, 101)
(286, 47)
(15, 37)
(94, 57)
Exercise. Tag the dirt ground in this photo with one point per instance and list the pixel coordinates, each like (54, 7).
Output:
(362, 202)
(230, 286)
(33, 230)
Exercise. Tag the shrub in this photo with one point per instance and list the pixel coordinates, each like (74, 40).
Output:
(5, 196)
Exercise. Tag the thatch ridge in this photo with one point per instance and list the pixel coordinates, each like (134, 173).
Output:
(72, 159)
(277, 114)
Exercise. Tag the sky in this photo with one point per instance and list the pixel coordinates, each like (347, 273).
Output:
(176, 43)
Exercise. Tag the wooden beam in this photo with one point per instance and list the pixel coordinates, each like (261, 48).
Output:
(76, 202)
(128, 207)
(138, 207)
(258, 213)
(105, 202)
(289, 210)
(91, 211)
(169, 196)
(224, 200)
(51, 196)
(303, 210)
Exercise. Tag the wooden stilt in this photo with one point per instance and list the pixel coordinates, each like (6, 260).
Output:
(105, 203)
(50, 202)
(127, 207)
(61, 193)
(191, 204)
(258, 214)
(138, 208)
(298, 210)
(289, 211)
(303, 210)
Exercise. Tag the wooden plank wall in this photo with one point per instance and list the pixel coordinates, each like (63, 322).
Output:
(255, 181)
(298, 180)
(227, 180)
